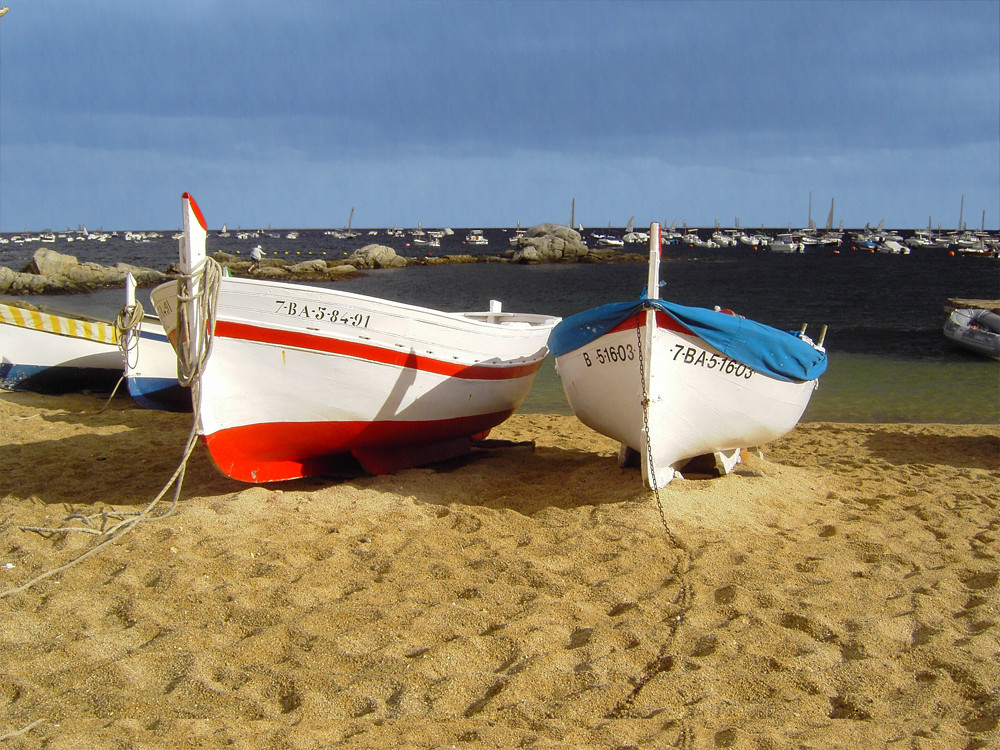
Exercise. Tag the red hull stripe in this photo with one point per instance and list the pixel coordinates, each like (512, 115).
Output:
(662, 321)
(276, 451)
(299, 340)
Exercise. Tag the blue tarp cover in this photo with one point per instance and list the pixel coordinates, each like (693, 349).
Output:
(780, 354)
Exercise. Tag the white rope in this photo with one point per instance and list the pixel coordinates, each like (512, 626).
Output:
(117, 531)
(19, 732)
(191, 365)
(193, 355)
(129, 319)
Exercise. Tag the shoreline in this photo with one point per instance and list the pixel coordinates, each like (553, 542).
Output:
(842, 588)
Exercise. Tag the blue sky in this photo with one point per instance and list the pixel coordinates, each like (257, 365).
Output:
(288, 114)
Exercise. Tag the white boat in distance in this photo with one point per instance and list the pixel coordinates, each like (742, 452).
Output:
(295, 378)
(787, 243)
(476, 237)
(672, 383)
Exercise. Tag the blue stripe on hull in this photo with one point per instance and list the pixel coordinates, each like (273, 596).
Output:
(164, 394)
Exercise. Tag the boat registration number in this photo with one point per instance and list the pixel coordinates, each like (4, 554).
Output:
(606, 354)
(690, 355)
(322, 313)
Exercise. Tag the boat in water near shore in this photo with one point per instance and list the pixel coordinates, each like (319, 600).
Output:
(974, 329)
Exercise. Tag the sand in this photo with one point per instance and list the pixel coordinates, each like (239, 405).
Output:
(840, 591)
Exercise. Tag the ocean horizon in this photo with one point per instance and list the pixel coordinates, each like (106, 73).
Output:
(889, 360)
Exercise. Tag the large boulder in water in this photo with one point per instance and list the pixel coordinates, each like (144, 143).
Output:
(309, 267)
(50, 263)
(19, 282)
(51, 271)
(547, 243)
(321, 270)
(376, 256)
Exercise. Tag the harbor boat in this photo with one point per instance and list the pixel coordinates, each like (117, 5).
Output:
(723, 238)
(632, 237)
(515, 239)
(293, 380)
(56, 352)
(602, 240)
(693, 239)
(756, 240)
(893, 247)
(672, 383)
(975, 329)
(787, 243)
(150, 359)
(476, 237)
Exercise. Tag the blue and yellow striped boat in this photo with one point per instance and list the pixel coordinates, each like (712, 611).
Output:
(52, 352)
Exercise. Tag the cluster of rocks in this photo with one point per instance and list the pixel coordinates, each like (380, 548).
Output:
(548, 243)
(52, 272)
(555, 243)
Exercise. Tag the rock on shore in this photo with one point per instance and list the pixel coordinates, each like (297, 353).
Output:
(52, 272)
(376, 256)
(367, 257)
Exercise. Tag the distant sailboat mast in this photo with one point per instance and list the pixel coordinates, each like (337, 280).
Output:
(350, 219)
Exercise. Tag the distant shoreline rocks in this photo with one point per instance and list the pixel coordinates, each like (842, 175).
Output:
(555, 243)
(51, 272)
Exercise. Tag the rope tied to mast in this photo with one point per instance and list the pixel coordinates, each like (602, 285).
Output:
(130, 318)
(194, 339)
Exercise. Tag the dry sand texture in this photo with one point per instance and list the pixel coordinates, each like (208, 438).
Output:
(842, 591)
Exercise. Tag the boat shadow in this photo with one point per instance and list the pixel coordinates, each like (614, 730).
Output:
(122, 455)
(117, 454)
(522, 477)
(959, 451)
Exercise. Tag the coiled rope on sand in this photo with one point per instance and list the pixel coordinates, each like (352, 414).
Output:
(201, 287)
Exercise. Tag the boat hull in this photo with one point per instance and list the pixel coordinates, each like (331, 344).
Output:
(301, 378)
(975, 329)
(151, 370)
(695, 399)
(49, 353)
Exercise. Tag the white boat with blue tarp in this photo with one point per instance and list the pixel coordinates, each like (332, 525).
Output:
(672, 383)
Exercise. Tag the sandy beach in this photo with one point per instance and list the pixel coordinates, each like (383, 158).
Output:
(839, 591)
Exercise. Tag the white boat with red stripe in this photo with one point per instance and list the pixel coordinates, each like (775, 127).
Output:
(292, 380)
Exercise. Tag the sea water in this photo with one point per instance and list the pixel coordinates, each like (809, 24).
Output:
(888, 358)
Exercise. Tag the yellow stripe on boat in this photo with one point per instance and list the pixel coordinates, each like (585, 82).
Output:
(58, 324)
